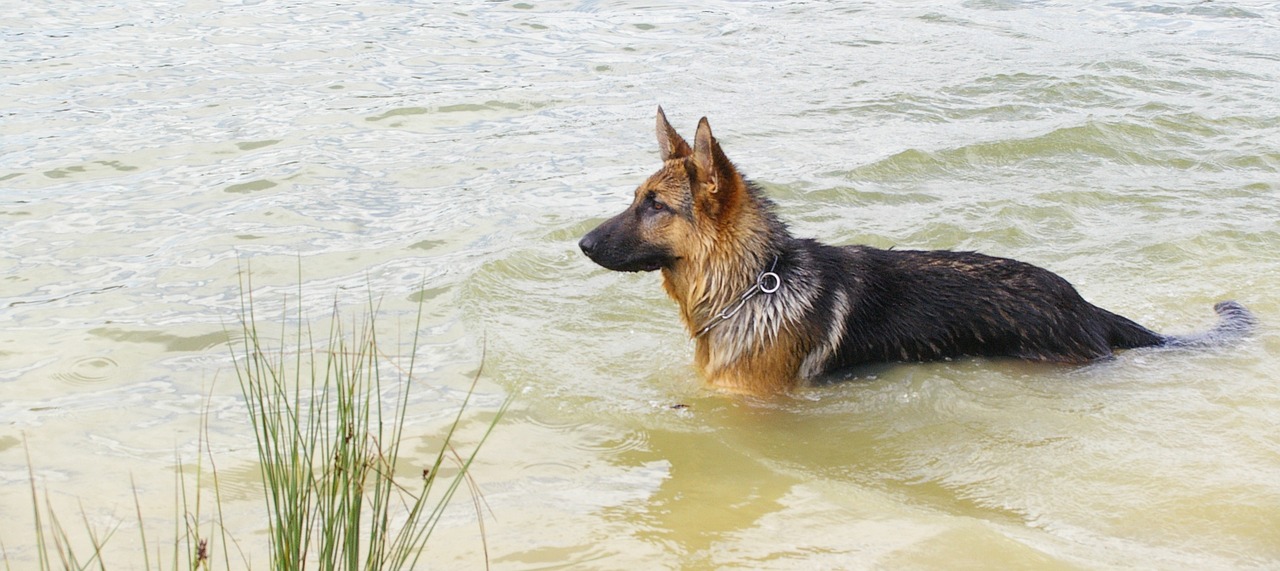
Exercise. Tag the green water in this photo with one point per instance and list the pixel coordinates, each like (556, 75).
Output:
(453, 153)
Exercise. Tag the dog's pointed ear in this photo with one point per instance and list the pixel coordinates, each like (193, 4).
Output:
(720, 190)
(706, 154)
(670, 143)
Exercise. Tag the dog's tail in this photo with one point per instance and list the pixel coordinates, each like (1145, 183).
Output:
(1234, 322)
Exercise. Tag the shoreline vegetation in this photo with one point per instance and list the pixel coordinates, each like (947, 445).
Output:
(328, 421)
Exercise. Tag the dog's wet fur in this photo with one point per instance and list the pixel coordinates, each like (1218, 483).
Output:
(715, 236)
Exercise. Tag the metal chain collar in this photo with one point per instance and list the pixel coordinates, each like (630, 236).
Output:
(766, 282)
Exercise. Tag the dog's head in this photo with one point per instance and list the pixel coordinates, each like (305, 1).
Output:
(678, 212)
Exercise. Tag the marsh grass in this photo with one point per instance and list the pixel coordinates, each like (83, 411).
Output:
(328, 422)
(329, 451)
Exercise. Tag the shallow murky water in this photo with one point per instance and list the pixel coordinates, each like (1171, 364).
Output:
(452, 154)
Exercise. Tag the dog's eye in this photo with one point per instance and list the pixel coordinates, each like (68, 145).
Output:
(653, 202)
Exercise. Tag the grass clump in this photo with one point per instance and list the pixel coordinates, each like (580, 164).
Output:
(328, 423)
(329, 450)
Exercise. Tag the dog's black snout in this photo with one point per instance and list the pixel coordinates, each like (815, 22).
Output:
(588, 243)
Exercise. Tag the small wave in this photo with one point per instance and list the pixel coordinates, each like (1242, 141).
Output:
(87, 371)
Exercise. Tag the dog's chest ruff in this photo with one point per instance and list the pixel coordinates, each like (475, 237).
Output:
(767, 283)
(752, 324)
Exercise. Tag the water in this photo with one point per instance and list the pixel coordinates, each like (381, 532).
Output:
(454, 153)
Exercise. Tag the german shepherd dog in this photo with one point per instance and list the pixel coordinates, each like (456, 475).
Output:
(769, 311)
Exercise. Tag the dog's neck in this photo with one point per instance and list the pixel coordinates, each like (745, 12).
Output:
(728, 351)
(724, 269)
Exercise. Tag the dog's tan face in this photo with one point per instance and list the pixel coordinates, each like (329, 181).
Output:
(674, 212)
(643, 237)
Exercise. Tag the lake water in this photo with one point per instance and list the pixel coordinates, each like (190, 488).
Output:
(452, 154)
